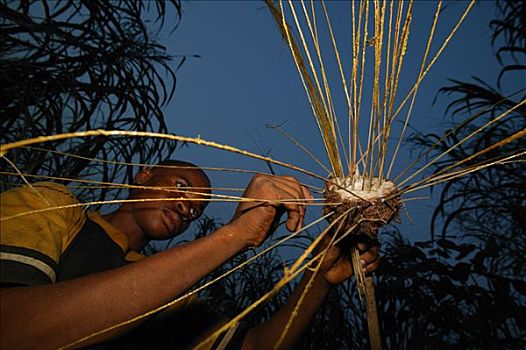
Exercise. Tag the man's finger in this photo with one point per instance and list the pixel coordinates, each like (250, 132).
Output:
(370, 255)
(308, 198)
(361, 247)
(295, 209)
(372, 266)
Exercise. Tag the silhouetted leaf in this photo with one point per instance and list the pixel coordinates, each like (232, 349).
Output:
(478, 261)
(461, 271)
(520, 286)
(424, 244)
(440, 252)
(464, 250)
(491, 248)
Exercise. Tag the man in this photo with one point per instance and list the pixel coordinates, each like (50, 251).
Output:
(65, 274)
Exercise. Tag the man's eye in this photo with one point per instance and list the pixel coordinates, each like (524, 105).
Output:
(179, 184)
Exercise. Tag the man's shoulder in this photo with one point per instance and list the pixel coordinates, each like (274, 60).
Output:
(51, 187)
(41, 191)
(39, 221)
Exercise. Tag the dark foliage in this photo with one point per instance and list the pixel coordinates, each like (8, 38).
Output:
(70, 66)
(444, 294)
(511, 27)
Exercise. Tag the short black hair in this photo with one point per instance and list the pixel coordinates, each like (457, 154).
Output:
(181, 164)
(176, 163)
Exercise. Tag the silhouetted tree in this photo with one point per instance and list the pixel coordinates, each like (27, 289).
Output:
(440, 295)
(73, 65)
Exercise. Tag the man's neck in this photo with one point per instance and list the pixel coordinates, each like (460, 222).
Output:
(123, 220)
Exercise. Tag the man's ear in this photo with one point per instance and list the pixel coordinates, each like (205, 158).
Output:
(143, 176)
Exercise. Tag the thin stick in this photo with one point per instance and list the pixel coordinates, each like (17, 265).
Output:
(454, 130)
(321, 110)
(19, 173)
(511, 138)
(372, 315)
(398, 60)
(300, 145)
(314, 99)
(491, 122)
(196, 140)
(365, 5)
(387, 83)
(305, 291)
(436, 179)
(344, 83)
(181, 199)
(327, 120)
(406, 121)
(335, 126)
(145, 165)
(103, 184)
(435, 58)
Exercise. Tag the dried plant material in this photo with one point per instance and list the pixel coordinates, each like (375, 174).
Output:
(370, 203)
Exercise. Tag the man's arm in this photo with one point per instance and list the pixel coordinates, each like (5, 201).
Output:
(55, 315)
(335, 269)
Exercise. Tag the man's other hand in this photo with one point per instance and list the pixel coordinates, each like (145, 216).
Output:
(337, 265)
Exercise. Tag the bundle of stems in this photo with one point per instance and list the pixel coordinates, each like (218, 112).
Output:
(381, 28)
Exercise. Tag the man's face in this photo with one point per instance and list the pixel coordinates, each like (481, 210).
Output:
(168, 218)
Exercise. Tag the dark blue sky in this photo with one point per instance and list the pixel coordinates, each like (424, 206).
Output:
(245, 79)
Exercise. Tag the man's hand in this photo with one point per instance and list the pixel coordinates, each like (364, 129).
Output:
(278, 194)
(337, 265)
(335, 269)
